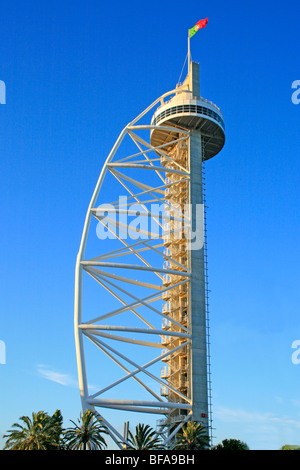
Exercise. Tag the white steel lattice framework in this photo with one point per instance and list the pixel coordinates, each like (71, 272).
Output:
(149, 270)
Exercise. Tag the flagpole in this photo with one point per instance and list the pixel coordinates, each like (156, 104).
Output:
(189, 53)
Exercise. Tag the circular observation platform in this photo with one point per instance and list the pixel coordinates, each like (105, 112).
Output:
(190, 114)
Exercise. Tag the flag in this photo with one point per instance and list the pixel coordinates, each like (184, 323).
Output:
(199, 25)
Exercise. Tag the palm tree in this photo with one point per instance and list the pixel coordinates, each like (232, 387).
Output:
(87, 434)
(145, 438)
(41, 432)
(192, 436)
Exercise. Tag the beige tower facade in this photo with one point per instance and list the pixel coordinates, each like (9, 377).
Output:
(186, 369)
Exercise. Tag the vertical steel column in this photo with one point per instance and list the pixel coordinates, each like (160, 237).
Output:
(197, 289)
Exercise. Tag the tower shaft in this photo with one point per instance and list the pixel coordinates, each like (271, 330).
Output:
(187, 369)
(197, 287)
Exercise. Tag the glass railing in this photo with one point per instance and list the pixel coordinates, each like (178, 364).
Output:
(203, 100)
(190, 109)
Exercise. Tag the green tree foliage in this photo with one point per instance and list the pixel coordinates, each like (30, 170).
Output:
(40, 432)
(231, 444)
(192, 436)
(290, 447)
(145, 438)
(87, 434)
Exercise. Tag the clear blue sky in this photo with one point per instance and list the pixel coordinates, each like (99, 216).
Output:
(76, 73)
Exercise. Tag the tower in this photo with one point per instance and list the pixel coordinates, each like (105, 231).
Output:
(162, 294)
(188, 369)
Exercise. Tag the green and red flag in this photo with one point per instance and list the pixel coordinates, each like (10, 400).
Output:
(199, 25)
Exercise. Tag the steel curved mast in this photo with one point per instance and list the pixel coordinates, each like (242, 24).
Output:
(151, 263)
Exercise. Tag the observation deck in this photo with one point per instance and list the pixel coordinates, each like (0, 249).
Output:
(189, 111)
